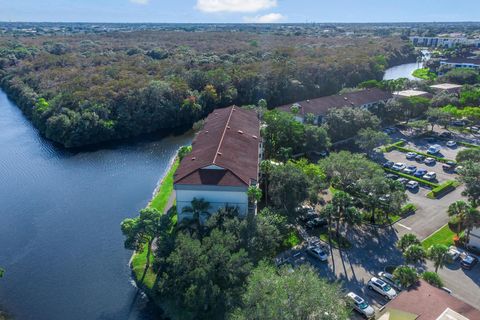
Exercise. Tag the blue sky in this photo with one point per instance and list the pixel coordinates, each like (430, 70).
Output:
(199, 11)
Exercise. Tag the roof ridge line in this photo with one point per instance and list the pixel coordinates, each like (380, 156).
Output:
(223, 134)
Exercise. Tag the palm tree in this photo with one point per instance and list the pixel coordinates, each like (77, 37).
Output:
(405, 275)
(406, 241)
(343, 210)
(197, 208)
(266, 168)
(414, 254)
(438, 254)
(471, 219)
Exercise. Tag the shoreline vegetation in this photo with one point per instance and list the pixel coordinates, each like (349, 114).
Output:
(159, 201)
(424, 74)
(81, 90)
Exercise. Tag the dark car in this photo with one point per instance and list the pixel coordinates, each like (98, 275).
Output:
(420, 172)
(388, 164)
(403, 181)
(391, 176)
(420, 158)
(446, 135)
(447, 168)
(317, 222)
(468, 262)
(451, 163)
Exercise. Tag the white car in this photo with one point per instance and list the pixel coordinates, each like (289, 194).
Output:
(451, 143)
(411, 155)
(434, 149)
(382, 288)
(412, 185)
(360, 305)
(399, 166)
(430, 176)
(453, 253)
(429, 161)
(318, 253)
(388, 277)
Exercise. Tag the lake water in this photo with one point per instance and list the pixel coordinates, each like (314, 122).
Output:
(60, 214)
(402, 71)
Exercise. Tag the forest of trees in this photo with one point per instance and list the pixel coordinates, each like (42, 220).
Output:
(86, 89)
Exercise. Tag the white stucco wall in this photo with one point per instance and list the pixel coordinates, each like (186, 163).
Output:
(218, 197)
(475, 238)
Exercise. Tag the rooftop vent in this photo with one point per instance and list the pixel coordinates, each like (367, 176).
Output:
(255, 137)
(228, 127)
(240, 131)
(219, 153)
(206, 131)
(345, 98)
(308, 101)
(194, 158)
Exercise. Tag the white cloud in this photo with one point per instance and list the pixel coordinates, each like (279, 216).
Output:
(140, 1)
(268, 18)
(212, 6)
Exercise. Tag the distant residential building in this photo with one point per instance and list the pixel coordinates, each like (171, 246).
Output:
(465, 63)
(444, 42)
(223, 164)
(447, 87)
(319, 107)
(412, 93)
(426, 302)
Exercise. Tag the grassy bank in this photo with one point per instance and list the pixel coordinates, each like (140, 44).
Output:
(442, 236)
(424, 74)
(159, 202)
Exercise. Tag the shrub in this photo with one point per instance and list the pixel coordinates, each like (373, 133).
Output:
(469, 145)
(442, 189)
(392, 146)
(408, 208)
(432, 278)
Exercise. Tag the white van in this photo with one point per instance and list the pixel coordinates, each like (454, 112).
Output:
(434, 149)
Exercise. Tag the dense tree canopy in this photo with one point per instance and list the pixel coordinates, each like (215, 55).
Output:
(98, 87)
(301, 294)
(345, 123)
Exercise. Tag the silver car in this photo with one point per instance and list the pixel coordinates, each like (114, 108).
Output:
(382, 288)
(360, 305)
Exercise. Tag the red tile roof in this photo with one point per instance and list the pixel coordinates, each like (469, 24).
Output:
(230, 140)
(321, 106)
(429, 302)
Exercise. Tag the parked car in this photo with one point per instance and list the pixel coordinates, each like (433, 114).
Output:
(446, 135)
(388, 278)
(453, 253)
(317, 222)
(434, 149)
(458, 123)
(420, 172)
(317, 252)
(451, 163)
(360, 305)
(411, 155)
(412, 185)
(430, 161)
(388, 164)
(451, 144)
(391, 176)
(430, 176)
(399, 166)
(403, 181)
(410, 169)
(457, 169)
(447, 168)
(382, 288)
(420, 158)
(474, 129)
(468, 261)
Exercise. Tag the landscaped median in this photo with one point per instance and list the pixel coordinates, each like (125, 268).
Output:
(443, 189)
(442, 236)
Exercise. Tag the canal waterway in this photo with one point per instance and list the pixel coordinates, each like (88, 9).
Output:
(60, 214)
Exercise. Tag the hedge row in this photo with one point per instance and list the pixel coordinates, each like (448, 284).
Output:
(442, 189)
(392, 146)
(410, 177)
(439, 159)
(469, 145)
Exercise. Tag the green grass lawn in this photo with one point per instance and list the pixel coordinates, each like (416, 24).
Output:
(442, 236)
(424, 74)
(161, 198)
(138, 266)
